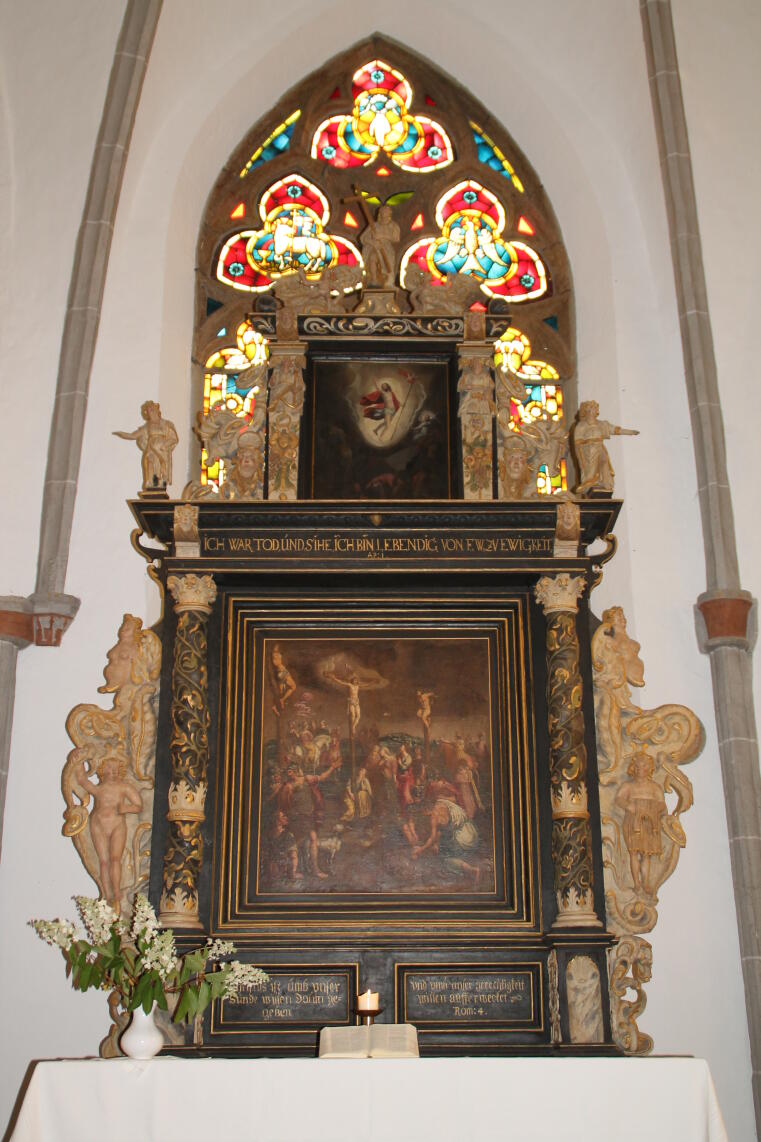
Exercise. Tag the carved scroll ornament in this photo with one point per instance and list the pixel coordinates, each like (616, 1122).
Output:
(107, 781)
(643, 794)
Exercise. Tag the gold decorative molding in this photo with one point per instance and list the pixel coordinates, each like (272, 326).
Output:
(643, 794)
(192, 592)
(107, 781)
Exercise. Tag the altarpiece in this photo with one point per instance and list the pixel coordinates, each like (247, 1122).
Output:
(378, 737)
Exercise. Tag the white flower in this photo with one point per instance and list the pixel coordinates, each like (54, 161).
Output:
(57, 933)
(160, 955)
(242, 977)
(97, 917)
(144, 922)
(216, 949)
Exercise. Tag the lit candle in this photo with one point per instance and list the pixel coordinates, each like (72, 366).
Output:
(368, 1001)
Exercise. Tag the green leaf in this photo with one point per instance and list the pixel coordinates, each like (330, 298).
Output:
(204, 997)
(398, 199)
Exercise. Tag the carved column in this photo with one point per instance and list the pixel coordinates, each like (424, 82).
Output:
(476, 412)
(286, 402)
(559, 596)
(189, 751)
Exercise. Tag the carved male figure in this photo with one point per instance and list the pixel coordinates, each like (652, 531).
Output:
(595, 469)
(156, 438)
(644, 806)
(379, 242)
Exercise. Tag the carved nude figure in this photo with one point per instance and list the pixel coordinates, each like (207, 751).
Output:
(113, 798)
(157, 439)
(595, 469)
(644, 806)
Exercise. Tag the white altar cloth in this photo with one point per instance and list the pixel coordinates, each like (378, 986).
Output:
(375, 1100)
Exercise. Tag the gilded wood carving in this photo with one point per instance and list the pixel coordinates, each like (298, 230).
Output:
(107, 781)
(643, 794)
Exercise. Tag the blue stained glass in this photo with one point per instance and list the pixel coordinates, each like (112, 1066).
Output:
(377, 76)
(487, 155)
(212, 305)
(275, 146)
(552, 322)
(235, 269)
(527, 280)
(222, 331)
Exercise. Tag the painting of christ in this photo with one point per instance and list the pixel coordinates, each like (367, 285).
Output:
(380, 430)
(377, 771)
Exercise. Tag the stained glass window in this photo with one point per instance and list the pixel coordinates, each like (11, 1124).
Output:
(375, 128)
(228, 382)
(277, 143)
(294, 212)
(544, 395)
(381, 121)
(470, 241)
(489, 153)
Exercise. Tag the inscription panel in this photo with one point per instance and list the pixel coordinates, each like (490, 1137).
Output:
(293, 999)
(471, 997)
(368, 547)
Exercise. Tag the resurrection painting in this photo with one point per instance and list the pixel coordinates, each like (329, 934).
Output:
(377, 773)
(380, 430)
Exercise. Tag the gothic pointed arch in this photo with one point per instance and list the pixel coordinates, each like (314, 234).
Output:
(377, 125)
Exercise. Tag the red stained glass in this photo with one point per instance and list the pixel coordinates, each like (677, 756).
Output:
(336, 93)
(478, 307)
(418, 224)
(429, 101)
(240, 211)
(524, 226)
(350, 220)
(383, 172)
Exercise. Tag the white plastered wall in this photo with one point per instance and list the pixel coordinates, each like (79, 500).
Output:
(568, 80)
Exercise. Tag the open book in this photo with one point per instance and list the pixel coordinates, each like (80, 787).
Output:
(381, 1041)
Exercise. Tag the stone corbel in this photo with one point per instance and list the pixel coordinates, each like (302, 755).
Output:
(725, 618)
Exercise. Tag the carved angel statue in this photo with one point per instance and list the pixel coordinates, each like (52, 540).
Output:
(592, 459)
(515, 478)
(111, 768)
(226, 437)
(157, 439)
(453, 296)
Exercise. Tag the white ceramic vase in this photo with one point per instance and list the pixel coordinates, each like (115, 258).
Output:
(142, 1039)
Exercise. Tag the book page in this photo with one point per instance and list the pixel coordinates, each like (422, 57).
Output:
(344, 1042)
(393, 1041)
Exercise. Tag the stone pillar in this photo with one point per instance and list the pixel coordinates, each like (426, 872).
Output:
(723, 611)
(476, 412)
(286, 402)
(189, 751)
(559, 596)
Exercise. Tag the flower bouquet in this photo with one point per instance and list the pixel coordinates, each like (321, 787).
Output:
(140, 964)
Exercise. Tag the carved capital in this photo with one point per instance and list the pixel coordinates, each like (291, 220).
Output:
(725, 618)
(192, 592)
(559, 592)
